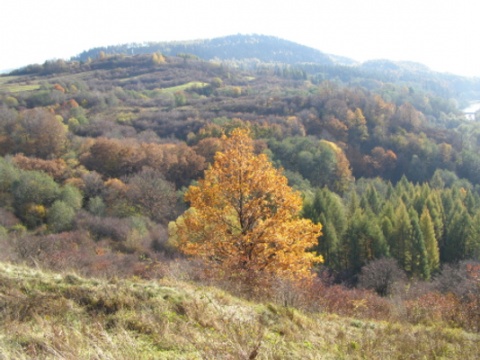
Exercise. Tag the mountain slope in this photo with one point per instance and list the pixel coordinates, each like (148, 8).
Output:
(251, 49)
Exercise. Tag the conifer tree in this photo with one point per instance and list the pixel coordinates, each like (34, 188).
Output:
(419, 266)
(328, 246)
(399, 242)
(474, 244)
(327, 209)
(434, 205)
(374, 200)
(365, 239)
(458, 235)
(431, 244)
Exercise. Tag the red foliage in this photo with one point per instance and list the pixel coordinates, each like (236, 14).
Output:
(433, 307)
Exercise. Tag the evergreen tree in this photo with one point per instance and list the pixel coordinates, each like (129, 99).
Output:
(399, 242)
(420, 198)
(458, 236)
(434, 205)
(474, 244)
(328, 210)
(373, 199)
(419, 266)
(431, 244)
(471, 203)
(328, 244)
(366, 239)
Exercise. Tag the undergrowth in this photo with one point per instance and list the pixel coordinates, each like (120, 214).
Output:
(47, 315)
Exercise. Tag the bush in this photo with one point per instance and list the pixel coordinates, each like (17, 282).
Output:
(33, 187)
(7, 218)
(153, 195)
(60, 217)
(103, 227)
(459, 279)
(381, 275)
(97, 206)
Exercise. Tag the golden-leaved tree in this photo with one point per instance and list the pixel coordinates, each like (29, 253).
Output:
(244, 218)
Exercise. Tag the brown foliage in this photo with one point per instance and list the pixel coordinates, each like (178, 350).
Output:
(208, 147)
(116, 158)
(152, 194)
(7, 218)
(40, 134)
(56, 168)
(113, 158)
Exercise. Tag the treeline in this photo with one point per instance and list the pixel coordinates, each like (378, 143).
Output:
(421, 226)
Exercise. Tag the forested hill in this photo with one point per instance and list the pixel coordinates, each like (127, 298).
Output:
(97, 155)
(253, 51)
(262, 48)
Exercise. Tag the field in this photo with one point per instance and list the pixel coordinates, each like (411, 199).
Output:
(8, 85)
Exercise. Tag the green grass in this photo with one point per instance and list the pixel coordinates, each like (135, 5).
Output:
(8, 84)
(46, 315)
(184, 87)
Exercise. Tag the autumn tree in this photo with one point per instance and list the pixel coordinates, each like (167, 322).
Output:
(152, 194)
(244, 218)
(39, 133)
(158, 59)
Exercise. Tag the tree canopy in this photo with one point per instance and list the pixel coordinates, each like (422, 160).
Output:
(245, 218)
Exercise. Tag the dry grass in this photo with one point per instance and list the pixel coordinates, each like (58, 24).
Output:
(63, 316)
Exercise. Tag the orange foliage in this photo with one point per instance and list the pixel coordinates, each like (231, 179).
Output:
(59, 87)
(116, 158)
(56, 168)
(244, 217)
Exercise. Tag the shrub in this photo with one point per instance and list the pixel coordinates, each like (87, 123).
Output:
(33, 187)
(103, 227)
(7, 218)
(60, 216)
(154, 195)
(381, 275)
(97, 206)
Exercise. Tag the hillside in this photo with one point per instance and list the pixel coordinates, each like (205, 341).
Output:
(254, 50)
(100, 131)
(64, 316)
(96, 158)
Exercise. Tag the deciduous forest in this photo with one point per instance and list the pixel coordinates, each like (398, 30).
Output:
(352, 190)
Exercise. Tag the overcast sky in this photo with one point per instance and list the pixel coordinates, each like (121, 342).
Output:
(440, 34)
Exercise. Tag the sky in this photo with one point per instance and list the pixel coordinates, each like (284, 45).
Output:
(438, 33)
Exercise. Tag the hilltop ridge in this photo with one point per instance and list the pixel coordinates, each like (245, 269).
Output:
(254, 51)
(234, 47)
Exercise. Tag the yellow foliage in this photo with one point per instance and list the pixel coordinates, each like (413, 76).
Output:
(158, 59)
(36, 210)
(244, 217)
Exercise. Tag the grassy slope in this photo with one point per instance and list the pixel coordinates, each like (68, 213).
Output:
(12, 84)
(63, 316)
